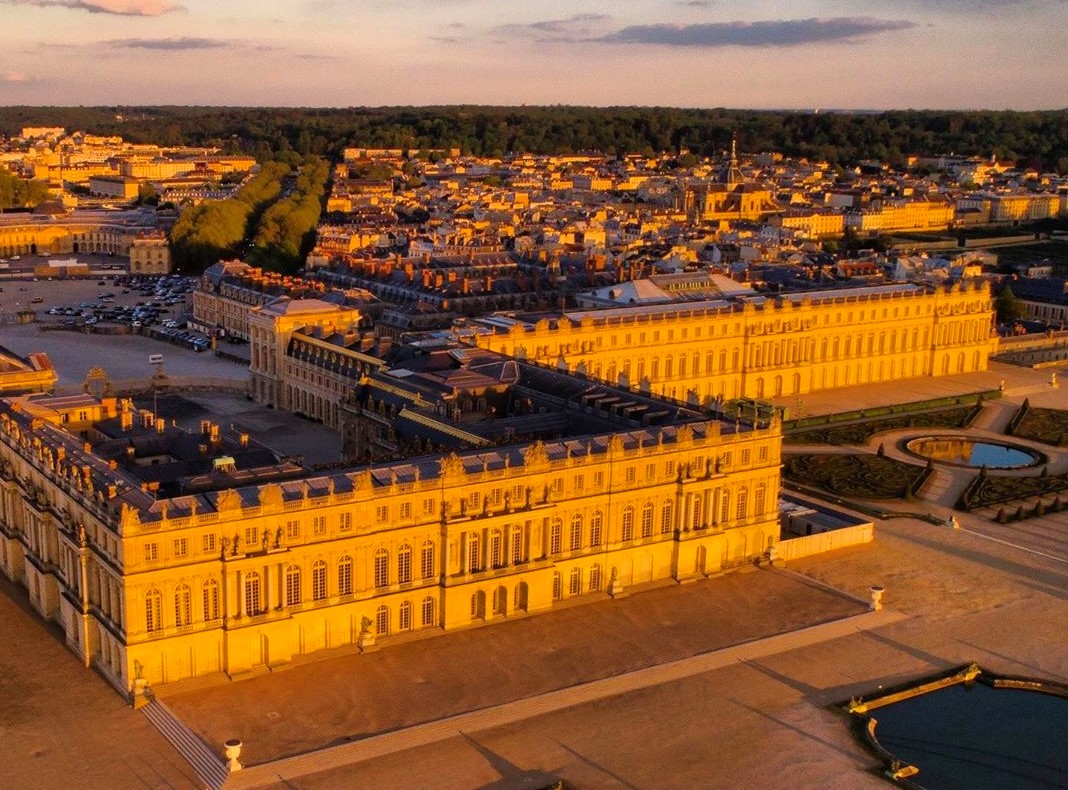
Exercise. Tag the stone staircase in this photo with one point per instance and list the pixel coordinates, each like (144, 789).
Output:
(209, 767)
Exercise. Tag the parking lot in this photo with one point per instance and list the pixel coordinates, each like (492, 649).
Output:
(111, 341)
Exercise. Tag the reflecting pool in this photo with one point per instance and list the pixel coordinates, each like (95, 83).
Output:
(978, 736)
(962, 451)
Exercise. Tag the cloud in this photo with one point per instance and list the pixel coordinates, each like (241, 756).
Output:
(696, 3)
(116, 7)
(167, 44)
(14, 78)
(572, 28)
(771, 33)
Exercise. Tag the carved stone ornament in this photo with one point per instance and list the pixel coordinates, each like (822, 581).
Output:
(535, 454)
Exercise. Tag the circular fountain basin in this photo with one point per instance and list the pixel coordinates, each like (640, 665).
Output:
(965, 451)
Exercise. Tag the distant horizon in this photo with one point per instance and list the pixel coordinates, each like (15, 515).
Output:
(867, 54)
(459, 105)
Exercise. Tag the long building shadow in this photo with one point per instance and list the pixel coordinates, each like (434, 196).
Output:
(512, 776)
(856, 756)
(1024, 573)
(597, 766)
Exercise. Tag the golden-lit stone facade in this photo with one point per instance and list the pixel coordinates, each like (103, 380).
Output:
(902, 215)
(150, 254)
(250, 575)
(764, 347)
(68, 236)
(32, 374)
(296, 381)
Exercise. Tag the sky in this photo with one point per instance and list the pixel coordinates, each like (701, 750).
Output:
(803, 54)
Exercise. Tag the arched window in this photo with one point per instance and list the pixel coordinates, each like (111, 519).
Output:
(183, 605)
(253, 594)
(426, 559)
(293, 596)
(319, 581)
(404, 619)
(474, 552)
(211, 600)
(574, 586)
(759, 500)
(595, 528)
(627, 529)
(575, 544)
(404, 564)
(558, 591)
(556, 536)
(500, 600)
(725, 508)
(743, 503)
(666, 512)
(153, 610)
(647, 520)
(496, 549)
(381, 568)
(595, 578)
(344, 575)
(382, 621)
(428, 612)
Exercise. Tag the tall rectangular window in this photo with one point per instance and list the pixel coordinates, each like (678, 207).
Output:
(319, 581)
(151, 552)
(181, 547)
(426, 560)
(344, 576)
(381, 568)
(345, 522)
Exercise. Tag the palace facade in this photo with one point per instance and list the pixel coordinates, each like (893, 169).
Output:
(165, 556)
(761, 347)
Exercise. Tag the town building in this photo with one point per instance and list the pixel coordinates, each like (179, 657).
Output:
(150, 254)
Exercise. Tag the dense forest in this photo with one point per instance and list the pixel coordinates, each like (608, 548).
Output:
(1032, 139)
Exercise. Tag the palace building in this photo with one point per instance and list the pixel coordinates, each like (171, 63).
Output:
(164, 555)
(761, 346)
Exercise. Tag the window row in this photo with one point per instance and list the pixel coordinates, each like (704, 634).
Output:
(405, 616)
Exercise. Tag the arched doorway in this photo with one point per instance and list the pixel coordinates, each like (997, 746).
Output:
(478, 606)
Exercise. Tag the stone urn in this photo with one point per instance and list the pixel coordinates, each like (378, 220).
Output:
(876, 597)
(233, 751)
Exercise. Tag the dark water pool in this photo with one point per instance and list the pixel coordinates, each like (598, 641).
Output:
(977, 737)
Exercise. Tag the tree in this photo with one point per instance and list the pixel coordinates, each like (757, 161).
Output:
(1008, 307)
